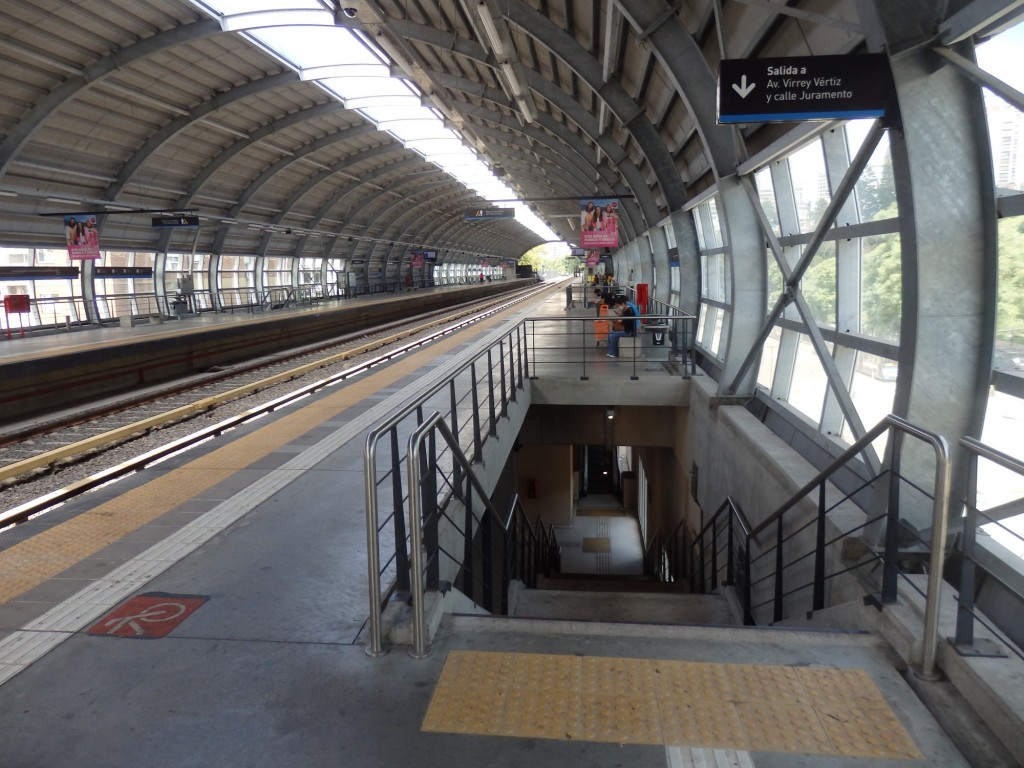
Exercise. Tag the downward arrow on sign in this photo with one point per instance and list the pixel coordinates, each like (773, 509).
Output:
(743, 89)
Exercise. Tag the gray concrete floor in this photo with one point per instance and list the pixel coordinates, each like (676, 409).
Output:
(271, 670)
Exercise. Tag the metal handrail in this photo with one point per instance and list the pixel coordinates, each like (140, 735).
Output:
(966, 614)
(732, 515)
(660, 543)
(582, 348)
(940, 508)
(514, 362)
(435, 423)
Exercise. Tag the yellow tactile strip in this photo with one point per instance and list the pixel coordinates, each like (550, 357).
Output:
(33, 561)
(810, 710)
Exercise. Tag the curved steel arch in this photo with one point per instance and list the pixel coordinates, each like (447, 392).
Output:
(461, 195)
(176, 126)
(384, 228)
(554, 141)
(370, 223)
(381, 171)
(27, 126)
(505, 235)
(395, 230)
(268, 173)
(564, 47)
(688, 70)
(630, 114)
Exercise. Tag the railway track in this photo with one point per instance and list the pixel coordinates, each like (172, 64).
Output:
(60, 457)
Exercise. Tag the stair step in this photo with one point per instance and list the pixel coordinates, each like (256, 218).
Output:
(591, 582)
(646, 608)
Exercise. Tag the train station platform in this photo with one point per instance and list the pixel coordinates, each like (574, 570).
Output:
(47, 370)
(213, 610)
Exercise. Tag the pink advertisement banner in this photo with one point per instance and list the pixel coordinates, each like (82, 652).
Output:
(82, 236)
(599, 223)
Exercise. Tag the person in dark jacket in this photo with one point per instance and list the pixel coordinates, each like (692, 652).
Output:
(628, 313)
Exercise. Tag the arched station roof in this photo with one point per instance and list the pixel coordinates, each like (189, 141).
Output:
(151, 104)
(122, 106)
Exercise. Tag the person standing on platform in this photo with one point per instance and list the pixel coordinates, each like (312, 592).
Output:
(625, 326)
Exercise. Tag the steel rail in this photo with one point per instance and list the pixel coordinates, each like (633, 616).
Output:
(48, 501)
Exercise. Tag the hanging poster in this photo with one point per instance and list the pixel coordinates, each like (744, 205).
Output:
(599, 223)
(82, 236)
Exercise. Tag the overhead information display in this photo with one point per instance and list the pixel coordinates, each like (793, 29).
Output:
(485, 214)
(805, 88)
(186, 219)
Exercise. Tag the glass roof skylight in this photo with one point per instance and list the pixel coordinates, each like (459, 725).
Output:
(303, 35)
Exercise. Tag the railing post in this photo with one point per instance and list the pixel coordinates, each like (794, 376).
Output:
(703, 565)
(714, 556)
(468, 556)
(491, 406)
(779, 562)
(487, 562)
(965, 603)
(890, 564)
(502, 381)
(748, 597)
(420, 649)
(511, 371)
(729, 575)
(818, 595)
(477, 441)
(521, 349)
(376, 645)
(401, 555)
(428, 508)
(532, 345)
(940, 522)
(453, 402)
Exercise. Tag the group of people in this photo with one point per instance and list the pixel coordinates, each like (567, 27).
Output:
(598, 219)
(82, 232)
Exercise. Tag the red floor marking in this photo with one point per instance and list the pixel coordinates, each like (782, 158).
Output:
(153, 614)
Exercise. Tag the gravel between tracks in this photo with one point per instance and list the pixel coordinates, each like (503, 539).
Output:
(40, 482)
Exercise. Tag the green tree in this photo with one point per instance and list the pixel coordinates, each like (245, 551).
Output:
(881, 286)
(818, 286)
(1010, 306)
(876, 192)
(547, 257)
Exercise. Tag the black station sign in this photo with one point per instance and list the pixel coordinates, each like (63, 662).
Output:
(486, 214)
(176, 220)
(806, 88)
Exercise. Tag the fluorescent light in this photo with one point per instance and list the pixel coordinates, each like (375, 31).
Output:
(527, 110)
(491, 30)
(513, 80)
(110, 207)
(7, 193)
(63, 201)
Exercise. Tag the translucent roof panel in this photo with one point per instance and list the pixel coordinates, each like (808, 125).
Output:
(302, 34)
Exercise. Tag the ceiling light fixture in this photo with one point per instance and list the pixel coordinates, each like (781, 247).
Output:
(491, 31)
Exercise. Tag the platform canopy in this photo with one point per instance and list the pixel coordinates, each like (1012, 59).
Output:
(356, 129)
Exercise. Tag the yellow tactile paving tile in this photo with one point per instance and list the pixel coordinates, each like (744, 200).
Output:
(748, 707)
(31, 562)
